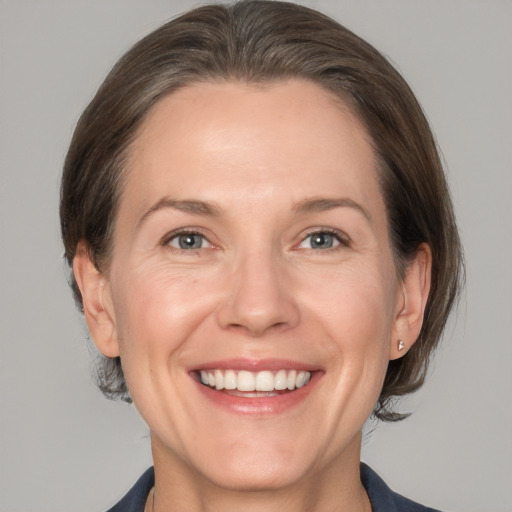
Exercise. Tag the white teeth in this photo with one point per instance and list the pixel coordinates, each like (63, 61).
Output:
(248, 382)
(219, 379)
(292, 378)
(301, 379)
(264, 381)
(230, 379)
(280, 380)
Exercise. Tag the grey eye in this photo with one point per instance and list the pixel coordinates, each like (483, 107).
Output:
(188, 241)
(320, 240)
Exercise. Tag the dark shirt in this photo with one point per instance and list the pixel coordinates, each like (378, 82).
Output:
(382, 498)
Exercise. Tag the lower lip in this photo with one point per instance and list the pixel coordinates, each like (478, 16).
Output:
(259, 406)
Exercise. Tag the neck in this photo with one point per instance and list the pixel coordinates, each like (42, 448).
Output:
(337, 486)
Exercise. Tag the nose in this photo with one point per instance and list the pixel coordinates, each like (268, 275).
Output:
(259, 297)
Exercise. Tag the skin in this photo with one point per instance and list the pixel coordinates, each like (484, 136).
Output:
(256, 289)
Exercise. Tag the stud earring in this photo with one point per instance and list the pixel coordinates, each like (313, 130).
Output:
(401, 345)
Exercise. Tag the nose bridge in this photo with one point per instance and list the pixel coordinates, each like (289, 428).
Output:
(259, 297)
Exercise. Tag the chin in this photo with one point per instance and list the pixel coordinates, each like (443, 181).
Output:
(249, 461)
(254, 474)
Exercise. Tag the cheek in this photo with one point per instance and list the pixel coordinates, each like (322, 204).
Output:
(156, 310)
(355, 313)
(355, 304)
(156, 314)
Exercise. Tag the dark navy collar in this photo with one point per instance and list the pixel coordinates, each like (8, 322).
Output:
(382, 498)
(135, 500)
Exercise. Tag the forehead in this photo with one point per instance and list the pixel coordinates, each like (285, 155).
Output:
(292, 137)
(303, 108)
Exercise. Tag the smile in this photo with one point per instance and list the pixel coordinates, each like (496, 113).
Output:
(254, 383)
(257, 388)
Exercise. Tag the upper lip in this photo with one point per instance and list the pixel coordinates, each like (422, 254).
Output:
(255, 365)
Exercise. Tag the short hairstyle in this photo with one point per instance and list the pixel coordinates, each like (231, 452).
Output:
(260, 41)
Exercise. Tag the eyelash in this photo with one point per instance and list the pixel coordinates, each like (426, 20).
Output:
(341, 238)
(166, 241)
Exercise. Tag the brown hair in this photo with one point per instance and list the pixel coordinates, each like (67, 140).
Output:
(261, 41)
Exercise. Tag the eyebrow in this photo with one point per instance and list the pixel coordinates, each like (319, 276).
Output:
(193, 206)
(196, 207)
(321, 204)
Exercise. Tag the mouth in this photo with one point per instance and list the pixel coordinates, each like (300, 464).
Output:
(249, 384)
(257, 388)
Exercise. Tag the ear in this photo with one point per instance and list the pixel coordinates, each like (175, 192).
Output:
(412, 299)
(97, 301)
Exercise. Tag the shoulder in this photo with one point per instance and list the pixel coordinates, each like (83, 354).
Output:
(383, 499)
(135, 500)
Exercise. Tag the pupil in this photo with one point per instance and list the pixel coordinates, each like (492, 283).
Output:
(190, 241)
(321, 241)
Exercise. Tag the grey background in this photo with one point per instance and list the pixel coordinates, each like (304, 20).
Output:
(63, 447)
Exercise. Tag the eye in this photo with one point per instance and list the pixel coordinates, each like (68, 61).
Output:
(320, 240)
(188, 241)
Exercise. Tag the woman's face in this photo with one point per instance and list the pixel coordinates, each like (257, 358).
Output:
(251, 246)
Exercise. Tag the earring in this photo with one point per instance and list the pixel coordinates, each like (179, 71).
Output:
(401, 345)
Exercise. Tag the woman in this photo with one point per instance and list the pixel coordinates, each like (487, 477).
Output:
(264, 248)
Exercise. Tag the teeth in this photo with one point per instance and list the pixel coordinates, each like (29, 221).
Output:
(229, 379)
(246, 381)
(265, 381)
(219, 380)
(292, 379)
(255, 381)
(280, 380)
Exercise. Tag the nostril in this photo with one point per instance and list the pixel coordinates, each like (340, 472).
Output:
(257, 329)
